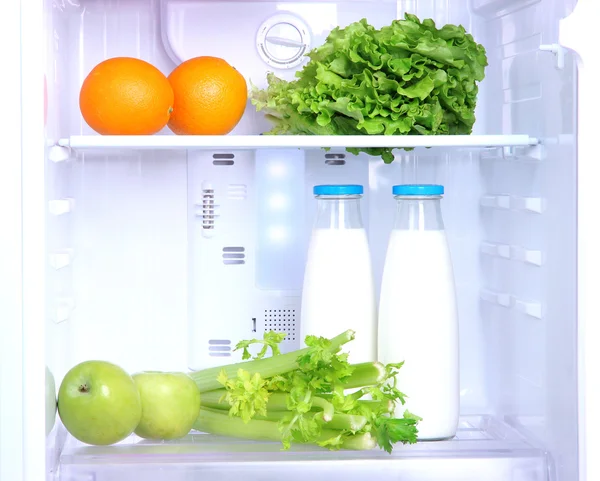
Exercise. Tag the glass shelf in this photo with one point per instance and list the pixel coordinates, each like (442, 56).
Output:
(85, 143)
(483, 449)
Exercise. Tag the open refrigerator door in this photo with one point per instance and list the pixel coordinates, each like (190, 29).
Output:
(147, 250)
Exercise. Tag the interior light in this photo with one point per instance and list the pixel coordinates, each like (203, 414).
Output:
(278, 234)
(277, 169)
(278, 202)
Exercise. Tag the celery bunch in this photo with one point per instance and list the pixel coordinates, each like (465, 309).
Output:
(303, 397)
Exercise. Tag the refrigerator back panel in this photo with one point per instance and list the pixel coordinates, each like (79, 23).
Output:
(250, 219)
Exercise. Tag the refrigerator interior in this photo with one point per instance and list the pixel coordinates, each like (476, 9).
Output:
(155, 256)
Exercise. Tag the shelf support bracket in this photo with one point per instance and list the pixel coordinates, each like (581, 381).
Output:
(559, 52)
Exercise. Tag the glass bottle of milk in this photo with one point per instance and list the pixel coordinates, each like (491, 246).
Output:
(418, 320)
(338, 292)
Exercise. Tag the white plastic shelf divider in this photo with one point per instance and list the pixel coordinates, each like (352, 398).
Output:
(249, 142)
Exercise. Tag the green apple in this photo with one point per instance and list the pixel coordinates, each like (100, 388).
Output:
(50, 401)
(99, 403)
(170, 404)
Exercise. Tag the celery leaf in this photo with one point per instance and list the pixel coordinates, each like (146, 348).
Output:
(389, 431)
(271, 339)
(246, 394)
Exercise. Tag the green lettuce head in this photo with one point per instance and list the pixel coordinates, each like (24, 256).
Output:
(409, 78)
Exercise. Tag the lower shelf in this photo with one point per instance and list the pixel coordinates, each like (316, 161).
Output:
(483, 449)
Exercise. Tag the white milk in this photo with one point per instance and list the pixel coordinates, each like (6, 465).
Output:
(338, 291)
(418, 324)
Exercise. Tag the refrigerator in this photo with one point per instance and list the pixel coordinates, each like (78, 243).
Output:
(147, 250)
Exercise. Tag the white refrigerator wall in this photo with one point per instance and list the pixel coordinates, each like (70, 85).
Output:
(531, 371)
(134, 277)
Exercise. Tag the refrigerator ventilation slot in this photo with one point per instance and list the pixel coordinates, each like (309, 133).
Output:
(223, 159)
(335, 159)
(281, 320)
(219, 348)
(208, 209)
(234, 256)
(237, 191)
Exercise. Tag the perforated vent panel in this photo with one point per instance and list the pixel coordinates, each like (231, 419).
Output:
(281, 320)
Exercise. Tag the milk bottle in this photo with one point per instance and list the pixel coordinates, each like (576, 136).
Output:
(338, 292)
(418, 320)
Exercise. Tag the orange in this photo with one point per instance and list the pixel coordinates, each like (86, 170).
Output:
(126, 96)
(210, 97)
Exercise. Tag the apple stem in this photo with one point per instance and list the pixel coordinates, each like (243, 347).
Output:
(84, 388)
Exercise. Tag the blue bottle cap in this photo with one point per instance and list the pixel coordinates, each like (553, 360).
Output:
(338, 189)
(418, 189)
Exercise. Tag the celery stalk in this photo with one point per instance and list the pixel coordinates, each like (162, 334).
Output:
(359, 442)
(216, 422)
(350, 422)
(342, 422)
(366, 374)
(327, 407)
(206, 379)
(212, 400)
(277, 402)
(387, 405)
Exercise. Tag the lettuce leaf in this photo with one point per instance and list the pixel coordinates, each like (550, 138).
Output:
(407, 78)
